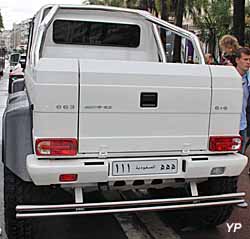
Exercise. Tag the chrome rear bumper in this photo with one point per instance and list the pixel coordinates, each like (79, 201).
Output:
(28, 211)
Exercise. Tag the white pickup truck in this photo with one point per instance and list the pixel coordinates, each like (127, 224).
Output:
(111, 103)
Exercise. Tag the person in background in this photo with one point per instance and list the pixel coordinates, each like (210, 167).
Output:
(228, 46)
(190, 60)
(209, 59)
(247, 150)
(242, 60)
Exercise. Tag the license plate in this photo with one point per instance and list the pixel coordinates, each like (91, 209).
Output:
(144, 167)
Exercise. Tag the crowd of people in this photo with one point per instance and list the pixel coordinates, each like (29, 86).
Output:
(232, 54)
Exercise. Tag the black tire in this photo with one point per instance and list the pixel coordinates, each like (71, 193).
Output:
(213, 216)
(18, 192)
(14, 193)
(200, 217)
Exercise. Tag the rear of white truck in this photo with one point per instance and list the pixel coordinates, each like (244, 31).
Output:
(107, 109)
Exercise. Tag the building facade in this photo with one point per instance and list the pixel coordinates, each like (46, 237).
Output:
(20, 34)
(5, 39)
(17, 38)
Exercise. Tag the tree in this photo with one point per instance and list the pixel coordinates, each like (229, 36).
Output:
(239, 20)
(164, 12)
(1, 22)
(114, 3)
(185, 7)
(247, 25)
(195, 8)
(214, 23)
(180, 4)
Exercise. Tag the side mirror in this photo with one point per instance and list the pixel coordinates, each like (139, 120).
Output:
(23, 63)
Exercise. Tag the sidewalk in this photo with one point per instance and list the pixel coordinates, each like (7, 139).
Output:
(3, 100)
(3, 93)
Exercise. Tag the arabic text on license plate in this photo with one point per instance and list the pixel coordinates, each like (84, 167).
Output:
(144, 167)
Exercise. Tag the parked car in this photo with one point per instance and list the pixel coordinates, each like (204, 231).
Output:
(17, 69)
(22, 60)
(14, 60)
(16, 73)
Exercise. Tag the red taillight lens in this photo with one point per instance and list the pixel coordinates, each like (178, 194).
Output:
(56, 147)
(225, 143)
(68, 177)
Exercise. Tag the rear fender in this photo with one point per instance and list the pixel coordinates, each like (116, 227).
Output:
(17, 134)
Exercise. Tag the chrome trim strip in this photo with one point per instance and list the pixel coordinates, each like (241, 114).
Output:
(27, 208)
(126, 210)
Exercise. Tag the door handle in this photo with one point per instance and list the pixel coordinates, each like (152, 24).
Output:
(149, 100)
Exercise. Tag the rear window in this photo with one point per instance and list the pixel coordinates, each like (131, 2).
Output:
(15, 57)
(96, 33)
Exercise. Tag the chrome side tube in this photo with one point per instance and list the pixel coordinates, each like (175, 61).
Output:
(42, 30)
(27, 208)
(179, 31)
(126, 210)
(159, 43)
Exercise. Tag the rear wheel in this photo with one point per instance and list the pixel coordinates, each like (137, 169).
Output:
(204, 216)
(213, 216)
(15, 192)
(19, 192)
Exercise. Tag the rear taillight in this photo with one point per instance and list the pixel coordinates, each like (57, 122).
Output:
(56, 147)
(225, 143)
(68, 177)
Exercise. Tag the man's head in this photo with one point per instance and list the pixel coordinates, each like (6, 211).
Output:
(242, 60)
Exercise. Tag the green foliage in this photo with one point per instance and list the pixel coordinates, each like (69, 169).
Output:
(196, 8)
(1, 22)
(149, 5)
(217, 18)
(114, 3)
(247, 26)
(212, 17)
(247, 9)
(214, 22)
(158, 5)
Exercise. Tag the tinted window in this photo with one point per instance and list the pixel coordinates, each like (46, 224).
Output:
(177, 48)
(14, 59)
(96, 33)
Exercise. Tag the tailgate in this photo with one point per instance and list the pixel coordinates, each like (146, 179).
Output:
(143, 106)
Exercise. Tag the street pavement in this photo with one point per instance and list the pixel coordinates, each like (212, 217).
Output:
(132, 226)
